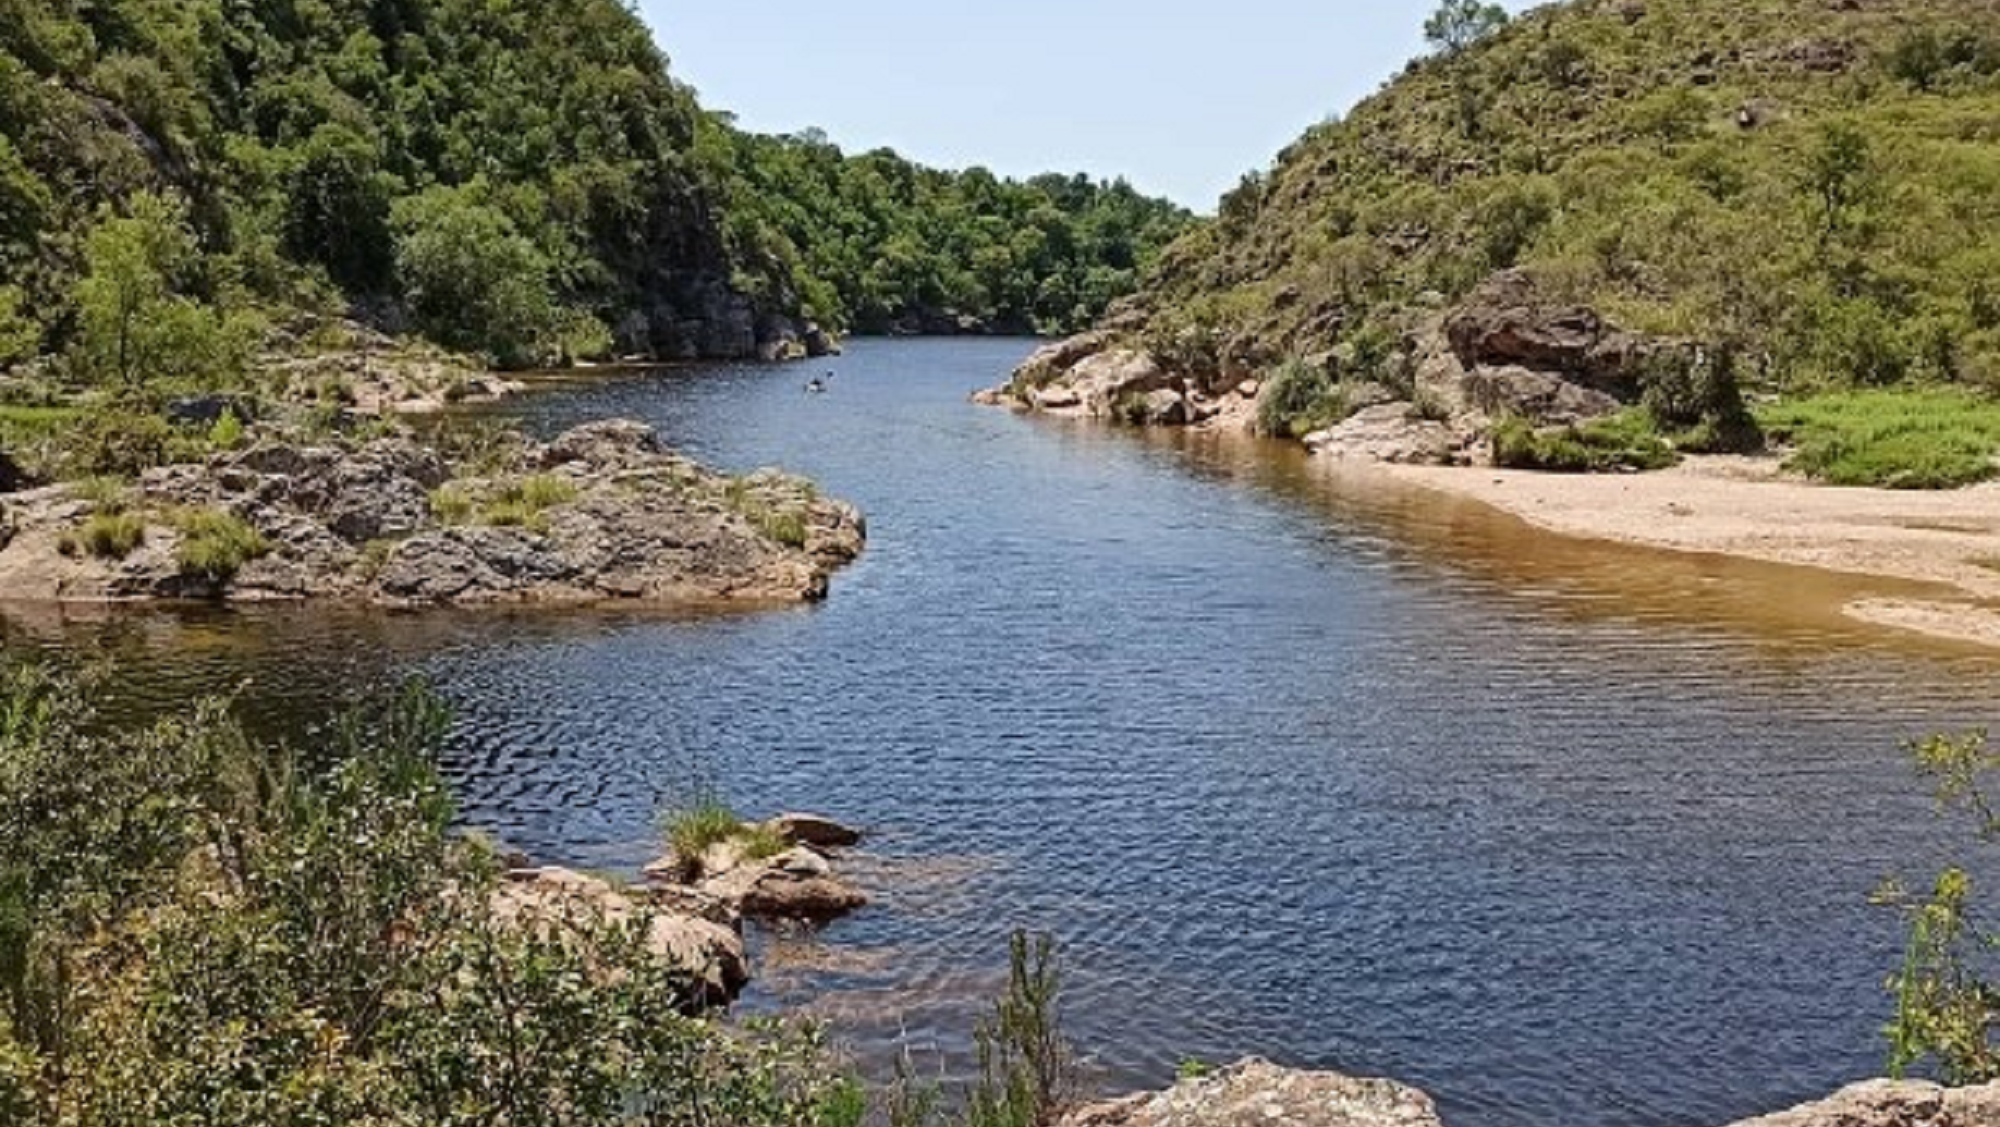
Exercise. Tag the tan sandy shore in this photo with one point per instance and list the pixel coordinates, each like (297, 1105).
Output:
(1746, 507)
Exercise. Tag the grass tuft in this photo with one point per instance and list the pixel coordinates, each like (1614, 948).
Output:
(105, 536)
(215, 545)
(691, 831)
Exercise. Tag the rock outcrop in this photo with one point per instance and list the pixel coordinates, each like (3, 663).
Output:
(602, 513)
(798, 883)
(1507, 352)
(559, 901)
(1885, 1103)
(1260, 1094)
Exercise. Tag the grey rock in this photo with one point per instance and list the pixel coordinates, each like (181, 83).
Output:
(1260, 1094)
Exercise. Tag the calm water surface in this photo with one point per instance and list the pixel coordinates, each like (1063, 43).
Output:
(1295, 764)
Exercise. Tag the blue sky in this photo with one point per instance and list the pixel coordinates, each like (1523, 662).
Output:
(1181, 98)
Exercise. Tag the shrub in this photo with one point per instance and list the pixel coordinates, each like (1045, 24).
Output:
(1298, 399)
(106, 536)
(1628, 440)
(215, 545)
(297, 946)
(1945, 994)
(1937, 439)
(227, 433)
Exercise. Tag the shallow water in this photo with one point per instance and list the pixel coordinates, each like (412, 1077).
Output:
(1295, 763)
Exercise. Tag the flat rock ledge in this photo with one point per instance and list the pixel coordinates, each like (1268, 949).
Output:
(603, 513)
(799, 884)
(1257, 1093)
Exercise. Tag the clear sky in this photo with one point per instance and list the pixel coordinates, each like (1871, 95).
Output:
(1181, 98)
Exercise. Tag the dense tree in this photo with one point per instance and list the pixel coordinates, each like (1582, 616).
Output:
(296, 131)
(135, 324)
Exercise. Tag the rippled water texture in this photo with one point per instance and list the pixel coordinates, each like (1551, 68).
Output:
(1294, 763)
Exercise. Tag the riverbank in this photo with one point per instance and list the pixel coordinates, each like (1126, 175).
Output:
(1746, 507)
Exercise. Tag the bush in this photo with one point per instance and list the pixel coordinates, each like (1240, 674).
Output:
(215, 545)
(1298, 399)
(1625, 441)
(1936, 439)
(474, 282)
(195, 929)
(1945, 990)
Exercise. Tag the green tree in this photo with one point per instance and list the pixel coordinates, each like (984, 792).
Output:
(472, 279)
(337, 202)
(135, 326)
(1460, 24)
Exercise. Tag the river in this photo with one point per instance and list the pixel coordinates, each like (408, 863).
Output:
(1293, 762)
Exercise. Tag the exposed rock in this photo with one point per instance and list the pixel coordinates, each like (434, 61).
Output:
(819, 342)
(1885, 1103)
(624, 519)
(813, 830)
(1506, 323)
(798, 884)
(1391, 433)
(555, 899)
(208, 410)
(11, 477)
(1259, 1094)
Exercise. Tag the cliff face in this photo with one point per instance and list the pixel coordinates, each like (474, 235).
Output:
(1810, 187)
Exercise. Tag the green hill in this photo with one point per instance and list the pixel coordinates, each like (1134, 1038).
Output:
(1814, 186)
(523, 178)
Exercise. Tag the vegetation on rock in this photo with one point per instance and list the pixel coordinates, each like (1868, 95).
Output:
(1808, 189)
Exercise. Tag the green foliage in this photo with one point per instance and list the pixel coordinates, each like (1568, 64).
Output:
(196, 929)
(526, 177)
(1027, 1070)
(20, 335)
(1946, 997)
(775, 517)
(227, 433)
(1629, 440)
(1299, 398)
(106, 536)
(1922, 439)
(451, 504)
(874, 242)
(135, 324)
(692, 830)
(215, 544)
(474, 282)
(1751, 175)
(1460, 24)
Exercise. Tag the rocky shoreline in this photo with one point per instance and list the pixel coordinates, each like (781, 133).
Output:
(1257, 1093)
(1508, 354)
(694, 910)
(603, 513)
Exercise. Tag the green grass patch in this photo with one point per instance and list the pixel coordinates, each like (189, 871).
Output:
(1922, 439)
(452, 504)
(691, 831)
(761, 842)
(784, 523)
(105, 536)
(215, 545)
(1629, 440)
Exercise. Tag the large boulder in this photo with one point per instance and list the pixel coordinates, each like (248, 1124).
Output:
(1260, 1094)
(1392, 433)
(814, 830)
(1508, 323)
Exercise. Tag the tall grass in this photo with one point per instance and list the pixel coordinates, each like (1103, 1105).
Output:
(215, 545)
(1922, 439)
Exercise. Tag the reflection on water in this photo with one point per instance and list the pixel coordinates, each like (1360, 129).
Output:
(1295, 762)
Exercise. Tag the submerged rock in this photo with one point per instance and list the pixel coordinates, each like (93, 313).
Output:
(813, 830)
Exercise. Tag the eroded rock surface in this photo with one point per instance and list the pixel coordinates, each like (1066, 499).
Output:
(799, 883)
(1260, 1094)
(602, 513)
(555, 899)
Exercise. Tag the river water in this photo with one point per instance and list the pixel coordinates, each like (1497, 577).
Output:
(1294, 763)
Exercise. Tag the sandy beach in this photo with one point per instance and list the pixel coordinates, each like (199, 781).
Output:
(1746, 507)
